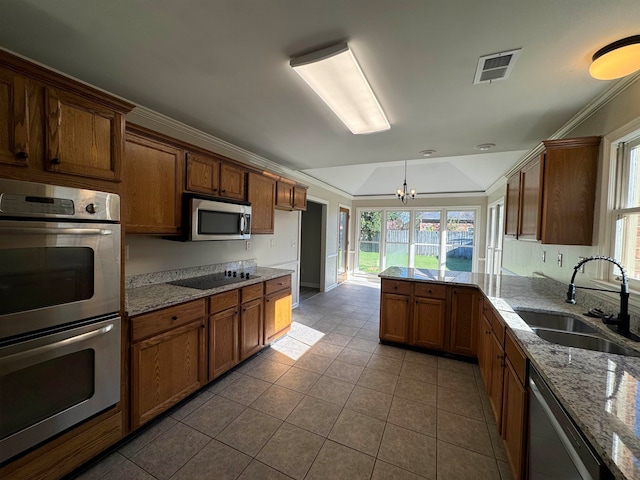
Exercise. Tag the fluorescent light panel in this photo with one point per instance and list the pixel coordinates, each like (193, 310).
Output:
(334, 74)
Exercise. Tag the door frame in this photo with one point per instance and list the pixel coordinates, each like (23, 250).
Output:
(491, 249)
(344, 276)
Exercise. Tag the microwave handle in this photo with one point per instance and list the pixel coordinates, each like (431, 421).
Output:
(243, 222)
(54, 231)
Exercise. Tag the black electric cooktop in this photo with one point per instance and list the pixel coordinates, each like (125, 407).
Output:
(207, 282)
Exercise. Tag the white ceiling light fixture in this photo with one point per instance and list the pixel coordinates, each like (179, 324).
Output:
(427, 153)
(616, 60)
(485, 146)
(334, 74)
(403, 193)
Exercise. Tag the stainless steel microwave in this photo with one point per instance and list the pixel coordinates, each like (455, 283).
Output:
(210, 219)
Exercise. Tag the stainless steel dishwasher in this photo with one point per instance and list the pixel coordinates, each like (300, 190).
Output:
(557, 448)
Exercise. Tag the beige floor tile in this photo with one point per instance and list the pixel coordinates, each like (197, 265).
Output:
(418, 371)
(325, 326)
(465, 432)
(259, 471)
(389, 351)
(268, 370)
(370, 402)
(345, 330)
(487, 410)
(190, 405)
(326, 350)
(214, 415)
(357, 343)
(165, 455)
(245, 390)
(378, 380)
(331, 390)
(386, 471)
(358, 431)
(421, 392)
(146, 435)
(102, 468)
(291, 450)
(315, 415)
(314, 363)
(496, 443)
(413, 415)
(421, 358)
(457, 381)
(250, 364)
(355, 357)
(125, 469)
(409, 450)
(335, 338)
(336, 461)
(298, 379)
(250, 431)
(368, 335)
(277, 356)
(354, 322)
(459, 366)
(453, 401)
(385, 364)
(277, 401)
(216, 460)
(223, 382)
(344, 371)
(305, 334)
(455, 463)
(505, 471)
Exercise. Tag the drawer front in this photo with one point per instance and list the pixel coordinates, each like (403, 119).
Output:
(431, 290)
(222, 301)
(396, 286)
(251, 292)
(149, 324)
(277, 284)
(516, 357)
(498, 327)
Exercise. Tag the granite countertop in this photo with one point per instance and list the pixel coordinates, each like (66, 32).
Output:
(153, 296)
(599, 390)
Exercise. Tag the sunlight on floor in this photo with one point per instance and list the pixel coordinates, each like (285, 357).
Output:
(298, 341)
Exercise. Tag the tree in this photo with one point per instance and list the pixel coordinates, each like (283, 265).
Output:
(370, 223)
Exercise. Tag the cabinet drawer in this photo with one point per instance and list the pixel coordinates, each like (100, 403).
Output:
(222, 301)
(150, 324)
(516, 357)
(396, 286)
(277, 284)
(431, 290)
(498, 327)
(251, 292)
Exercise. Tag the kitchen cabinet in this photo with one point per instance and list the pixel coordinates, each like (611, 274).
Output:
(167, 358)
(251, 320)
(290, 196)
(465, 304)
(152, 190)
(207, 174)
(15, 102)
(552, 197)
(429, 316)
(261, 193)
(223, 332)
(497, 377)
(299, 198)
(484, 344)
(277, 308)
(395, 298)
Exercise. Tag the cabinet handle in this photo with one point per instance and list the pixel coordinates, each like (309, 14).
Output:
(244, 309)
(22, 155)
(174, 318)
(55, 161)
(430, 291)
(223, 190)
(215, 189)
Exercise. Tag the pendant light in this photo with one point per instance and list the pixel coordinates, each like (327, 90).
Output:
(404, 194)
(617, 59)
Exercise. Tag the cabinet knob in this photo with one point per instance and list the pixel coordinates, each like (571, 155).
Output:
(174, 318)
(22, 155)
(430, 291)
(55, 161)
(215, 189)
(223, 190)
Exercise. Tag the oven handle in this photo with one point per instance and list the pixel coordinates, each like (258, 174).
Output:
(242, 224)
(55, 231)
(62, 343)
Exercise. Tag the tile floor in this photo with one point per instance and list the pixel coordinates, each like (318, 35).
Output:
(325, 402)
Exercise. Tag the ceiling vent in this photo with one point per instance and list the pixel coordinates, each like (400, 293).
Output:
(496, 66)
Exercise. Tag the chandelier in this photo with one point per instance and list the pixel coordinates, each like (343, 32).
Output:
(404, 194)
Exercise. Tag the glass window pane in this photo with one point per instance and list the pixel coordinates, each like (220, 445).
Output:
(426, 235)
(633, 177)
(460, 241)
(369, 242)
(397, 239)
(628, 244)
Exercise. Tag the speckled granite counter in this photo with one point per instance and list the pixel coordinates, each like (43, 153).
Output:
(599, 390)
(153, 292)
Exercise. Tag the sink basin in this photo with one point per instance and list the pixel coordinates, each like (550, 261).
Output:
(555, 321)
(578, 340)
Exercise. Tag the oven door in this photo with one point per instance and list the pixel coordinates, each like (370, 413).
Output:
(53, 273)
(54, 381)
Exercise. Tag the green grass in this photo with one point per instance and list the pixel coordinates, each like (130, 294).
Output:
(369, 262)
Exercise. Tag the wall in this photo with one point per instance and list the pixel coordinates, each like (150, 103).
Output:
(311, 245)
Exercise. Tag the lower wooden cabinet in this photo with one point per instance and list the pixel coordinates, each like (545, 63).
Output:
(465, 304)
(251, 328)
(394, 318)
(497, 378)
(277, 308)
(223, 344)
(429, 323)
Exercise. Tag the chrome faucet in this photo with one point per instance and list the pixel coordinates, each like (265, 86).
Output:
(623, 319)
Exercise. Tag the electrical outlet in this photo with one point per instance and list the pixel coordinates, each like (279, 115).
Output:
(581, 269)
(248, 245)
(559, 259)
(293, 243)
(544, 256)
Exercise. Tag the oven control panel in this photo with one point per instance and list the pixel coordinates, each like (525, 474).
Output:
(11, 204)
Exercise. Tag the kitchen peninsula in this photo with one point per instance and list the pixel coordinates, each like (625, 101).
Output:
(598, 390)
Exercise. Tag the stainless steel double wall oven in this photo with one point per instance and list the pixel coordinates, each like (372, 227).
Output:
(59, 310)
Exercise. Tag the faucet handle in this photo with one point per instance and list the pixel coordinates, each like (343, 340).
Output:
(571, 294)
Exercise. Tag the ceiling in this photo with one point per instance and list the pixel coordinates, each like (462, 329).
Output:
(222, 67)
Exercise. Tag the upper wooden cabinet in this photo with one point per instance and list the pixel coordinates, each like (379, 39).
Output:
(206, 174)
(14, 118)
(290, 196)
(152, 193)
(552, 197)
(261, 192)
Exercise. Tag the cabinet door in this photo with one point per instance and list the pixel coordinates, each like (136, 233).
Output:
(299, 198)
(203, 174)
(83, 137)
(223, 342)
(165, 369)
(14, 119)
(262, 195)
(429, 323)
(277, 315)
(511, 225)
(251, 325)
(284, 195)
(531, 190)
(495, 389)
(394, 318)
(485, 351)
(464, 321)
(514, 418)
(232, 181)
(152, 190)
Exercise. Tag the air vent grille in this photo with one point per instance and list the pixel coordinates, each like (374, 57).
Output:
(497, 66)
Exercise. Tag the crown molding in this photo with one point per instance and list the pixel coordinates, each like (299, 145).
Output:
(477, 193)
(497, 185)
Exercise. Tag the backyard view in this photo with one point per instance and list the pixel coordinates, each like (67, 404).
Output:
(427, 233)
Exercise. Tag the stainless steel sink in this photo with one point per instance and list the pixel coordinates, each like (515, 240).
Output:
(555, 321)
(588, 342)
